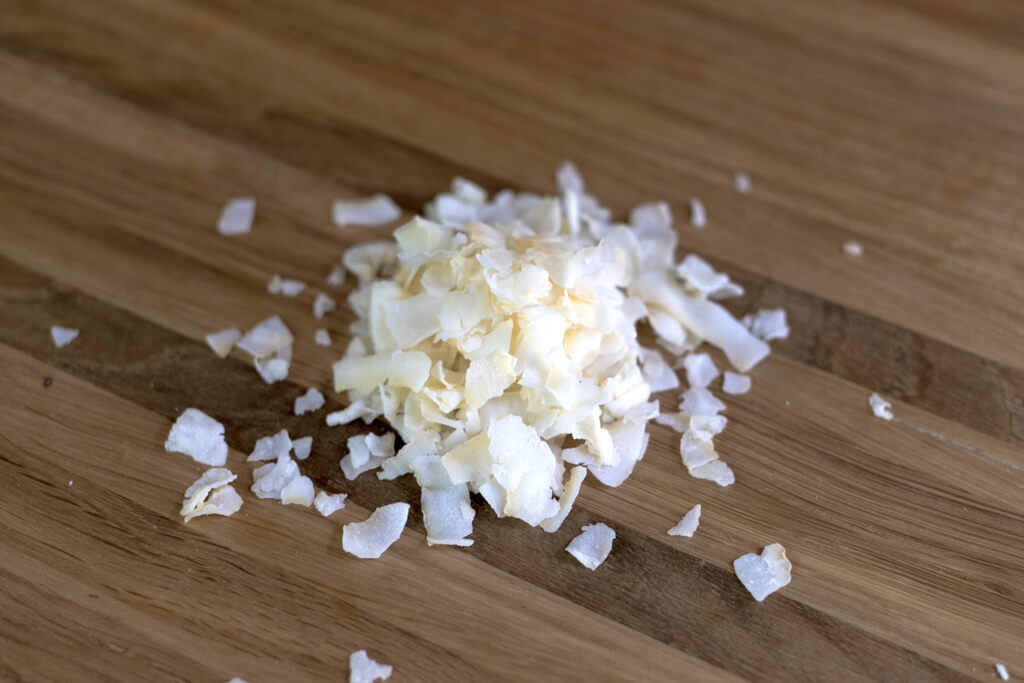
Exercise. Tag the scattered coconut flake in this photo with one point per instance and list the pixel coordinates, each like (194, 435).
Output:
(592, 546)
(851, 248)
(766, 573)
(688, 524)
(62, 336)
(767, 324)
(741, 181)
(702, 278)
(267, 338)
(565, 501)
(302, 447)
(336, 278)
(699, 401)
(299, 491)
(322, 305)
(1003, 673)
(698, 216)
(322, 337)
(309, 402)
(700, 369)
(329, 503)
(717, 471)
(353, 412)
(269, 480)
(447, 515)
(271, 447)
(199, 500)
(272, 369)
(369, 539)
(285, 286)
(236, 216)
(880, 407)
(362, 669)
(197, 434)
(367, 452)
(222, 342)
(376, 210)
(733, 383)
(236, 679)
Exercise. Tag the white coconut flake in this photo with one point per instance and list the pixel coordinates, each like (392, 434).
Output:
(236, 679)
(196, 494)
(376, 210)
(698, 216)
(309, 402)
(198, 435)
(362, 669)
(700, 369)
(322, 305)
(880, 407)
(767, 324)
(447, 515)
(272, 369)
(302, 447)
(716, 471)
(701, 277)
(851, 248)
(733, 383)
(566, 500)
(699, 401)
(62, 336)
(299, 491)
(766, 573)
(271, 447)
(222, 342)
(336, 278)
(267, 338)
(329, 503)
(369, 539)
(322, 337)
(1003, 673)
(285, 286)
(223, 501)
(236, 216)
(688, 524)
(741, 181)
(349, 414)
(367, 452)
(270, 480)
(592, 546)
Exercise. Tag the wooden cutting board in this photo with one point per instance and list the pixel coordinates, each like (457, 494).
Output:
(125, 126)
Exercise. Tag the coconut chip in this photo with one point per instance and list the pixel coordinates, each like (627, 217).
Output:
(267, 338)
(327, 503)
(688, 524)
(447, 515)
(1003, 673)
(271, 447)
(273, 369)
(592, 546)
(700, 369)
(236, 216)
(362, 669)
(285, 286)
(375, 210)
(309, 402)
(880, 407)
(741, 181)
(62, 336)
(766, 573)
(302, 447)
(268, 481)
(698, 216)
(322, 305)
(197, 434)
(767, 324)
(733, 383)
(322, 337)
(353, 412)
(851, 248)
(211, 495)
(299, 491)
(566, 500)
(222, 342)
(369, 539)
(336, 278)
(367, 452)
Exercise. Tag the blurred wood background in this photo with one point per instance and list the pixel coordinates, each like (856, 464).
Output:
(126, 124)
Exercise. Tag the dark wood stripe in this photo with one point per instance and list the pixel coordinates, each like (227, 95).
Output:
(696, 607)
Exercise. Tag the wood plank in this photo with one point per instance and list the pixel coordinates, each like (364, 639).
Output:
(807, 211)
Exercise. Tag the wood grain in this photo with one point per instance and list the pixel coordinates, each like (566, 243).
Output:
(897, 124)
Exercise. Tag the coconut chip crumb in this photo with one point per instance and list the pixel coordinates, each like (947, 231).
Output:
(767, 324)
(302, 447)
(698, 216)
(299, 491)
(222, 342)
(322, 305)
(236, 216)
(271, 447)
(336, 278)
(376, 210)
(267, 338)
(1003, 673)
(285, 286)
(741, 181)
(309, 402)
(733, 383)
(851, 248)
(62, 336)
(198, 435)
(688, 524)
(700, 369)
(880, 407)
(329, 503)
(592, 546)
(322, 337)
(766, 573)
(211, 495)
(268, 481)
(362, 669)
(370, 538)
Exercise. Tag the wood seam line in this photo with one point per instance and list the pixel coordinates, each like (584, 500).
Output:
(165, 373)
